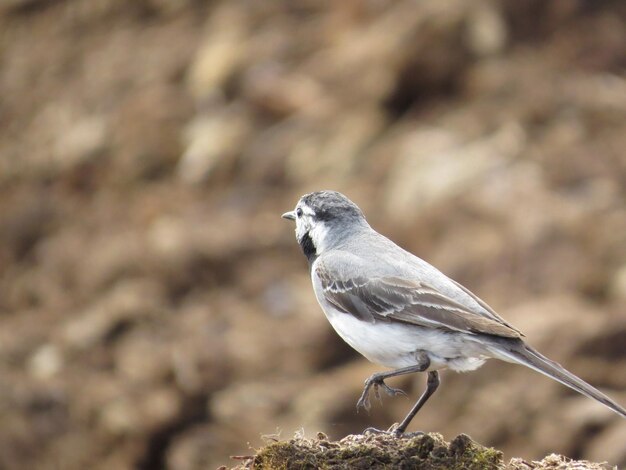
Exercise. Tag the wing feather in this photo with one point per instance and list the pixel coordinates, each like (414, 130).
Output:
(393, 298)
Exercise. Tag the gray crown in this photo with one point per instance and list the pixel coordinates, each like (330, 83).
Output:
(332, 205)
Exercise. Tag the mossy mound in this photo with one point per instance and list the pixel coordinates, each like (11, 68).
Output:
(427, 451)
(385, 451)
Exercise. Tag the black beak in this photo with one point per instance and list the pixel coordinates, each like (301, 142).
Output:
(289, 215)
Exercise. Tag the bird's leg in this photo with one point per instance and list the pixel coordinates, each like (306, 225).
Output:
(431, 386)
(399, 429)
(378, 380)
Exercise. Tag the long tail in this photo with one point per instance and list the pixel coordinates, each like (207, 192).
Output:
(521, 353)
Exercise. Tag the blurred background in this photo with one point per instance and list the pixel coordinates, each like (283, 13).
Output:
(156, 312)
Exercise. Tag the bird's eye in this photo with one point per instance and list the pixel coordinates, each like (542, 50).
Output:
(298, 212)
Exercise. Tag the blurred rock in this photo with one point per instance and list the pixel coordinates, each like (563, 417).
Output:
(85, 140)
(125, 304)
(213, 142)
(148, 149)
(26, 219)
(67, 138)
(170, 7)
(486, 30)
(140, 414)
(17, 5)
(608, 446)
(337, 152)
(617, 288)
(142, 359)
(274, 90)
(193, 450)
(222, 50)
(46, 362)
(435, 165)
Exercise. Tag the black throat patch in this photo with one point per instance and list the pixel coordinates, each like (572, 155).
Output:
(308, 247)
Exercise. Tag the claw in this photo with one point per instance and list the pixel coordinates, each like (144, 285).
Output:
(376, 382)
(392, 391)
(364, 401)
(377, 393)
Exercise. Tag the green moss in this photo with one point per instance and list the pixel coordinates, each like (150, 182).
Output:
(425, 452)
(428, 452)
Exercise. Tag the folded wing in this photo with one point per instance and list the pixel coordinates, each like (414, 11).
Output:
(393, 298)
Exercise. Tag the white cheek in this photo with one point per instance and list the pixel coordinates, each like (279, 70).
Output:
(303, 225)
(301, 229)
(318, 235)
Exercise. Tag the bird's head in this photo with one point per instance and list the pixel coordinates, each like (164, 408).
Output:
(324, 219)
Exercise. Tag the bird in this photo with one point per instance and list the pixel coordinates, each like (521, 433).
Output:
(401, 312)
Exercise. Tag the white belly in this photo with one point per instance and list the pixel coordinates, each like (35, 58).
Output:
(396, 345)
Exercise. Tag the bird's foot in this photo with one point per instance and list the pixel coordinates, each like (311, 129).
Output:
(377, 382)
(393, 430)
(374, 431)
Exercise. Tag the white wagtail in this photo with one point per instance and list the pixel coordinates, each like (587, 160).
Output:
(399, 311)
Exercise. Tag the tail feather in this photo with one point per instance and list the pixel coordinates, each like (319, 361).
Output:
(523, 354)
